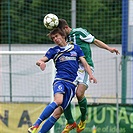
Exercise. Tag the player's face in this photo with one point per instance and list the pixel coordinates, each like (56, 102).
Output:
(58, 39)
(66, 30)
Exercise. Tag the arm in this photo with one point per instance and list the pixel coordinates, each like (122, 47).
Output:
(41, 63)
(91, 39)
(88, 69)
(104, 46)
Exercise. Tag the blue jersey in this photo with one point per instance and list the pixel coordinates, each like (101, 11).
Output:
(66, 61)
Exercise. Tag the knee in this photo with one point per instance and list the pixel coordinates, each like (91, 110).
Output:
(79, 95)
(59, 102)
(58, 99)
(57, 113)
(80, 92)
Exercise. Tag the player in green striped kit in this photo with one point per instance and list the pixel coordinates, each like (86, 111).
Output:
(83, 38)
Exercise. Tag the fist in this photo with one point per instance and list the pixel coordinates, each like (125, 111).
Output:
(42, 66)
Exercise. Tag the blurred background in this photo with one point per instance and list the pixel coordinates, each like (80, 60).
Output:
(25, 90)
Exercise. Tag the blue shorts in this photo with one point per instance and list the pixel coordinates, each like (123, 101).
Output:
(65, 88)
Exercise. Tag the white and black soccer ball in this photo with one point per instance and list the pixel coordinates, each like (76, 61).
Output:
(50, 21)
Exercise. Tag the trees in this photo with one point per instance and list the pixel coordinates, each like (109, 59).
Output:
(102, 18)
(25, 18)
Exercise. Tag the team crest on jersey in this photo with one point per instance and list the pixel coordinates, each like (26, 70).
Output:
(73, 53)
(62, 58)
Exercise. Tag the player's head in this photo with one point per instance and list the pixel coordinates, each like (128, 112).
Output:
(57, 31)
(63, 25)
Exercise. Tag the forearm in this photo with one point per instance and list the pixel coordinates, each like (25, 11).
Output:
(104, 46)
(86, 66)
(42, 60)
(101, 44)
(88, 69)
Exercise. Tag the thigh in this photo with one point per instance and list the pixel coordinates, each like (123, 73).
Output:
(58, 98)
(59, 87)
(69, 94)
(59, 91)
(83, 77)
(80, 92)
(81, 88)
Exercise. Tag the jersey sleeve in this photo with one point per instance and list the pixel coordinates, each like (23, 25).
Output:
(86, 36)
(50, 53)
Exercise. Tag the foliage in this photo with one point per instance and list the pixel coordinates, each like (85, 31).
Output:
(22, 20)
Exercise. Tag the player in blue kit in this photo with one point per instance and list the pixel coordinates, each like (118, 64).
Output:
(66, 58)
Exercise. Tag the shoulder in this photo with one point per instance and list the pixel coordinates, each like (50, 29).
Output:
(54, 50)
(77, 47)
(81, 31)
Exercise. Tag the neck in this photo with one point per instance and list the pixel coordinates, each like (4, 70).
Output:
(63, 44)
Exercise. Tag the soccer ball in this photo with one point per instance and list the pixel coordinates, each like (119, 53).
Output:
(50, 21)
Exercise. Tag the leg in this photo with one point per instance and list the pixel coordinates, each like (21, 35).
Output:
(68, 114)
(46, 113)
(82, 100)
(70, 121)
(83, 106)
(51, 121)
(58, 99)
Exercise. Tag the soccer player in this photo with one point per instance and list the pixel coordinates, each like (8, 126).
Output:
(66, 58)
(83, 38)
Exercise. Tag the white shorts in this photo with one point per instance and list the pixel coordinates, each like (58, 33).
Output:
(83, 76)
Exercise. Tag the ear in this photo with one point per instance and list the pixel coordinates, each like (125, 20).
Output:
(63, 37)
(66, 26)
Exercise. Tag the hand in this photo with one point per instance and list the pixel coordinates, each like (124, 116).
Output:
(42, 66)
(92, 79)
(112, 50)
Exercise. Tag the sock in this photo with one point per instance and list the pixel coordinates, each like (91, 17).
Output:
(48, 125)
(68, 114)
(83, 108)
(46, 113)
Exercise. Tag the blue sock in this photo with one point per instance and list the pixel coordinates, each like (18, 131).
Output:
(48, 125)
(46, 113)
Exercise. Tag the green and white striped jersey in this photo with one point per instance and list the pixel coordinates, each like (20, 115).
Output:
(83, 38)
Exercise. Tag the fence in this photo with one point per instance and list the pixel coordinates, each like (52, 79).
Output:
(22, 83)
(19, 74)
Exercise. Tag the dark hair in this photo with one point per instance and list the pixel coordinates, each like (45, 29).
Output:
(55, 31)
(62, 23)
